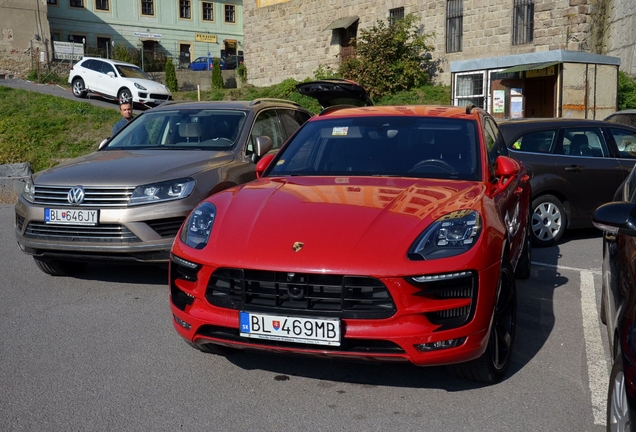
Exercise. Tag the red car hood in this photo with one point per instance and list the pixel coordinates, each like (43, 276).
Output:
(363, 222)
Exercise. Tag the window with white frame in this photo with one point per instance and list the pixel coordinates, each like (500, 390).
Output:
(184, 9)
(454, 25)
(208, 11)
(230, 13)
(101, 5)
(470, 89)
(147, 7)
(522, 22)
(76, 3)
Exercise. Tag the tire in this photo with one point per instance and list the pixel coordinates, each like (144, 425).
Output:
(548, 220)
(618, 413)
(60, 268)
(524, 265)
(79, 88)
(492, 365)
(213, 349)
(124, 94)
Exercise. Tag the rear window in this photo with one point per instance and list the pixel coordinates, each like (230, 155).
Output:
(401, 146)
(535, 142)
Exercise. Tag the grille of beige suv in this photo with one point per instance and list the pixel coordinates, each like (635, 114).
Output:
(95, 196)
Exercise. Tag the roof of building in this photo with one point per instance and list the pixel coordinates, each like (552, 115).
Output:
(535, 58)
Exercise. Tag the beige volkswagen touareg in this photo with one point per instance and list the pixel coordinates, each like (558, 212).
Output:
(126, 201)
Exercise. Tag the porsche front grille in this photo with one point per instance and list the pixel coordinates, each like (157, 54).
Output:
(301, 293)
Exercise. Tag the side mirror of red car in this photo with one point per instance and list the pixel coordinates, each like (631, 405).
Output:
(505, 169)
(262, 164)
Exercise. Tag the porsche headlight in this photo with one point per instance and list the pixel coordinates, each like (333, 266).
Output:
(197, 228)
(140, 87)
(28, 193)
(450, 235)
(164, 191)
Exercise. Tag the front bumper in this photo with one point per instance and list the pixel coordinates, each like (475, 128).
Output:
(136, 234)
(396, 337)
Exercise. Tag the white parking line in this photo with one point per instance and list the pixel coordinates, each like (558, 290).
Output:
(594, 351)
(596, 363)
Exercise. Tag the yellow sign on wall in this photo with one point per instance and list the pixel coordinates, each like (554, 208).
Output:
(205, 37)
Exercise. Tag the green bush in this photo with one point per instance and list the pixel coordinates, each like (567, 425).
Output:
(217, 77)
(171, 76)
(391, 58)
(626, 91)
(241, 71)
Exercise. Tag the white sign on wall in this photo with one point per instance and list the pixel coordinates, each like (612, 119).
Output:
(68, 50)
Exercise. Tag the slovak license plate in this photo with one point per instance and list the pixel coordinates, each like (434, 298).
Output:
(70, 217)
(323, 331)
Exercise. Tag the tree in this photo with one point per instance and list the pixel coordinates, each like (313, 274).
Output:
(217, 77)
(171, 76)
(626, 91)
(391, 57)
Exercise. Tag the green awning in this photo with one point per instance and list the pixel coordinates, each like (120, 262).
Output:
(342, 23)
(527, 67)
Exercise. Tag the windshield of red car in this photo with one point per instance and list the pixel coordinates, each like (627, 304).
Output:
(404, 146)
(192, 129)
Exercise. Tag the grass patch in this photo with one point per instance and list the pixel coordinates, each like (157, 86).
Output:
(42, 129)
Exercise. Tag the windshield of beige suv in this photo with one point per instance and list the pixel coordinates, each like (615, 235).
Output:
(193, 129)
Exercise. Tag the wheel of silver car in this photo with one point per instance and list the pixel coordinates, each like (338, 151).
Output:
(124, 95)
(79, 89)
(548, 220)
(60, 268)
(492, 365)
(617, 406)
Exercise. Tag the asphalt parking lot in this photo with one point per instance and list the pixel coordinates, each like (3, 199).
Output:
(98, 352)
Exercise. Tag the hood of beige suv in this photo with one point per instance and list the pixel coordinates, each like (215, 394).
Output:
(132, 167)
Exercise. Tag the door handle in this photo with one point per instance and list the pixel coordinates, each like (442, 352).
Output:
(574, 168)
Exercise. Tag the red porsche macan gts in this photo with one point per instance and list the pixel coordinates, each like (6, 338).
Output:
(387, 233)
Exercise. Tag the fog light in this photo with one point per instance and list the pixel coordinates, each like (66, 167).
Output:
(434, 346)
(182, 323)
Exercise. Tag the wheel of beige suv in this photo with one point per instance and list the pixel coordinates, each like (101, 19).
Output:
(79, 88)
(60, 268)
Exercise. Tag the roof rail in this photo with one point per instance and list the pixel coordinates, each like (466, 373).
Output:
(469, 107)
(261, 100)
(335, 108)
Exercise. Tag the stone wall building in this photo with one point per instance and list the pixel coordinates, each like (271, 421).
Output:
(292, 38)
(24, 34)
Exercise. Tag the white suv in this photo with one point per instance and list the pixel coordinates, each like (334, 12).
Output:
(116, 80)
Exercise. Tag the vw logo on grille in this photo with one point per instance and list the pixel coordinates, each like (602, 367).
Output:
(76, 195)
